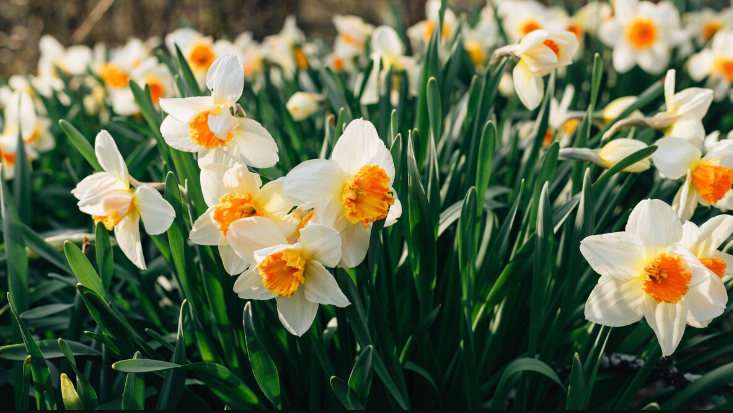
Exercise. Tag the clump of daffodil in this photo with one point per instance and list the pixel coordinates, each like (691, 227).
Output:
(648, 271)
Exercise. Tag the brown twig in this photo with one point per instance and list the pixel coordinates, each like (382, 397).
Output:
(92, 19)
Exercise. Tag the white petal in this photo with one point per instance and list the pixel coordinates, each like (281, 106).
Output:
(685, 201)
(693, 102)
(226, 79)
(713, 234)
(127, 234)
(322, 244)
(239, 180)
(185, 109)
(354, 244)
(272, 200)
(656, 224)
(312, 181)
(223, 124)
(667, 321)
(620, 255)
(624, 57)
(529, 87)
(109, 157)
(257, 147)
(157, 214)
(296, 312)
(386, 41)
(689, 129)
(674, 157)
(233, 263)
(177, 135)
(206, 230)
(321, 288)
(360, 146)
(253, 234)
(395, 211)
(249, 286)
(700, 65)
(706, 300)
(212, 183)
(669, 87)
(615, 303)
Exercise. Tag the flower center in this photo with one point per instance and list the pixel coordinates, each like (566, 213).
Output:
(366, 197)
(641, 33)
(282, 272)
(549, 136)
(570, 126)
(156, 90)
(666, 279)
(113, 76)
(110, 221)
(350, 40)
(338, 64)
(430, 27)
(233, 207)
(712, 182)
(710, 28)
(529, 26)
(576, 30)
(32, 138)
(200, 133)
(553, 46)
(201, 56)
(724, 65)
(301, 59)
(716, 265)
(8, 158)
(475, 52)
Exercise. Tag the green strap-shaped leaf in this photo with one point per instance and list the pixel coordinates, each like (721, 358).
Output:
(360, 379)
(22, 182)
(133, 397)
(576, 388)
(69, 396)
(83, 269)
(81, 144)
(50, 350)
(188, 77)
(346, 395)
(105, 257)
(263, 367)
(519, 366)
(174, 383)
(86, 392)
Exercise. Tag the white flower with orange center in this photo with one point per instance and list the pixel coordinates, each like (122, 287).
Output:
(706, 23)
(388, 54)
(478, 40)
(539, 53)
(232, 194)
(351, 191)
(21, 118)
(522, 17)
(352, 37)
(421, 33)
(705, 240)
(294, 274)
(589, 18)
(642, 33)
(109, 199)
(197, 49)
(156, 76)
(210, 125)
(646, 272)
(286, 48)
(715, 64)
(709, 179)
(251, 55)
(73, 60)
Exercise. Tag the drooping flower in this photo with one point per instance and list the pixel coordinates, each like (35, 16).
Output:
(709, 179)
(561, 125)
(642, 33)
(388, 53)
(539, 53)
(612, 153)
(715, 64)
(647, 272)
(109, 199)
(211, 125)
(352, 190)
(233, 194)
(294, 274)
(303, 105)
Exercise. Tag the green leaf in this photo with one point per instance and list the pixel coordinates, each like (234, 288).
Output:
(133, 397)
(83, 268)
(44, 250)
(419, 333)
(17, 259)
(519, 366)
(174, 383)
(576, 388)
(22, 184)
(86, 392)
(187, 74)
(141, 365)
(360, 379)
(22, 403)
(105, 257)
(263, 367)
(346, 395)
(625, 163)
(487, 148)
(81, 144)
(45, 311)
(49, 349)
(68, 394)
(543, 268)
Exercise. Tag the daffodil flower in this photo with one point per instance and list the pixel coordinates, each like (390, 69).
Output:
(109, 199)
(612, 153)
(233, 194)
(287, 48)
(715, 64)
(421, 33)
(647, 272)
(706, 23)
(478, 40)
(302, 105)
(294, 274)
(522, 17)
(75, 60)
(21, 119)
(197, 49)
(208, 125)
(352, 190)
(388, 53)
(353, 34)
(642, 33)
(709, 179)
(539, 53)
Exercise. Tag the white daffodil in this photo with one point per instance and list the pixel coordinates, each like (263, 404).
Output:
(715, 64)
(612, 153)
(647, 272)
(589, 18)
(522, 17)
(708, 179)
(617, 107)
(481, 38)
(22, 119)
(642, 33)
(539, 53)
(561, 125)
(197, 49)
(421, 33)
(388, 53)
(352, 190)
(75, 60)
(704, 242)
(251, 55)
(352, 37)
(682, 117)
(294, 274)
(109, 199)
(208, 125)
(233, 194)
(706, 23)
(156, 76)
(303, 105)
(286, 48)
